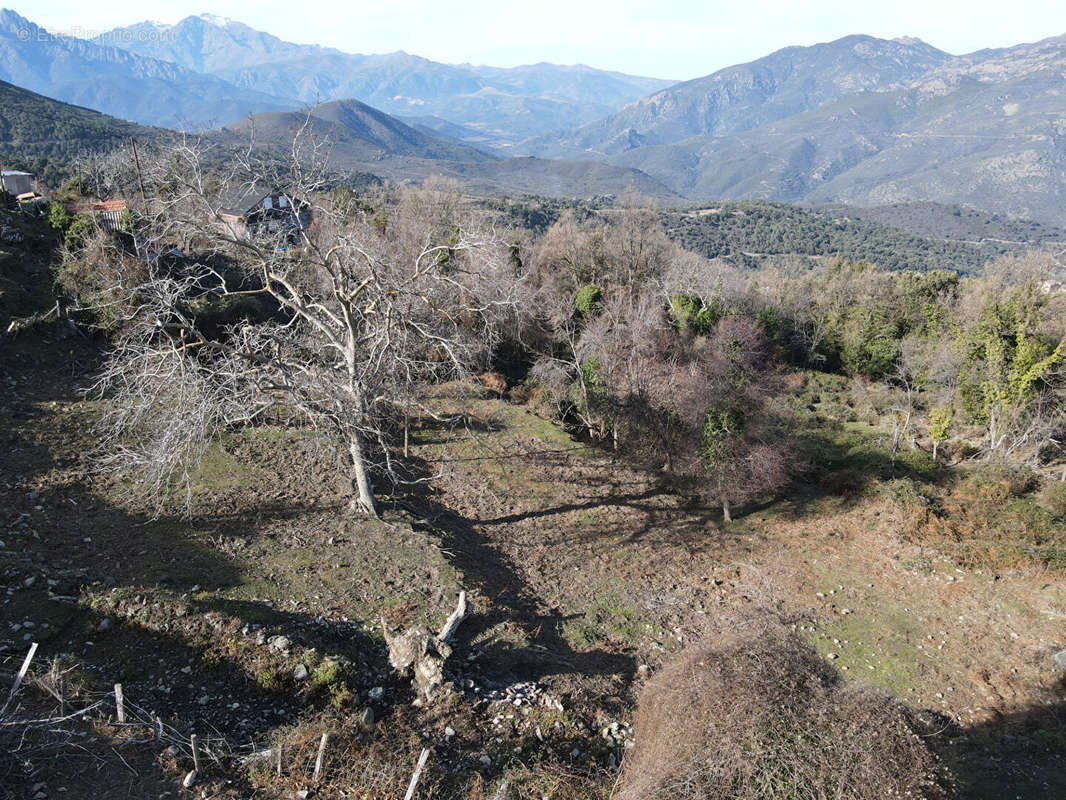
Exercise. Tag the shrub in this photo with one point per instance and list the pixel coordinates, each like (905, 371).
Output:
(100, 278)
(1009, 480)
(761, 715)
(985, 520)
(692, 314)
(1053, 499)
(588, 299)
(58, 217)
(79, 230)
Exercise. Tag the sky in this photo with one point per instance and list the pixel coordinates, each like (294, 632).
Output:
(675, 39)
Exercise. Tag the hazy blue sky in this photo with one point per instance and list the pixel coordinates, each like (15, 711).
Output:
(679, 39)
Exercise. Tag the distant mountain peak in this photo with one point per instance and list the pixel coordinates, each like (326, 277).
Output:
(214, 19)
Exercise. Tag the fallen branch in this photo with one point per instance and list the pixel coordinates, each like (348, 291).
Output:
(423, 757)
(19, 678)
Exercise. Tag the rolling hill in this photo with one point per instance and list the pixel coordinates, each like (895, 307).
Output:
(42, 135)
(364, 139)
(357, 133)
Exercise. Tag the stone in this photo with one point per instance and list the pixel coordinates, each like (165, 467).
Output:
(376, 693)
(105, 624)
(1060, 658)
(300, 673)
(449, 732)
(485, 761)
(278, 644)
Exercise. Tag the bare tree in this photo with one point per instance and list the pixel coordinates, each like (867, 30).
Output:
(357, 314)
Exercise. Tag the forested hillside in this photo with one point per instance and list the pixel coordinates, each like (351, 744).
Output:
(746, 231)
(43, 136)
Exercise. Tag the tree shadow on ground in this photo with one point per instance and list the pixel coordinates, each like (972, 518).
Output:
(539, 647)
(1020, 754)
(125, 598)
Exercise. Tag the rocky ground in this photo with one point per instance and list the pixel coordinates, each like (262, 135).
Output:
(255, 622)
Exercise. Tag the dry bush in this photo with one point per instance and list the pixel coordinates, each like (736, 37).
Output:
(984, 520)
(1053, 499)
(759, 714)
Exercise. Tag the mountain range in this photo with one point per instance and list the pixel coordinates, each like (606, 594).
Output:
(117, 82)
(497, 106)
(860, 120)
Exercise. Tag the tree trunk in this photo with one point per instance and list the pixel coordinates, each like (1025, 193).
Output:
(362, 491)
(727, 517)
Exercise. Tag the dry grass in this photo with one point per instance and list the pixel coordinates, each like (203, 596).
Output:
(760, 715)
(986, 519)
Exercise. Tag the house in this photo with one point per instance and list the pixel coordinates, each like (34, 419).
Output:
(265, 213)
(108, 213)
(16, 183)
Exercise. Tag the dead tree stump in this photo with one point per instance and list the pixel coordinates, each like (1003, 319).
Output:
(419, 653)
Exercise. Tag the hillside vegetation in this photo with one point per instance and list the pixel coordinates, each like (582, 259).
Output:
(776, 532)
(746, 231)
(43, 136)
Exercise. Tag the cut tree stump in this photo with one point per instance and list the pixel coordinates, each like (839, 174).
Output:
(418, 652)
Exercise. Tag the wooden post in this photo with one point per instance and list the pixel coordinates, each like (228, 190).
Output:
(195, 743)
(450, 625)
(20, 677)
(413, 785)
(120, 706)
(137, 162)
(320, 756)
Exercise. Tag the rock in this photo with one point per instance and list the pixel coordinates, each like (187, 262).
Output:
(300, 673)
(376, 693)
(449, 732)
(1060, 658)
(485, 761)
(29, 581)
(105, 624)
(279, 644)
